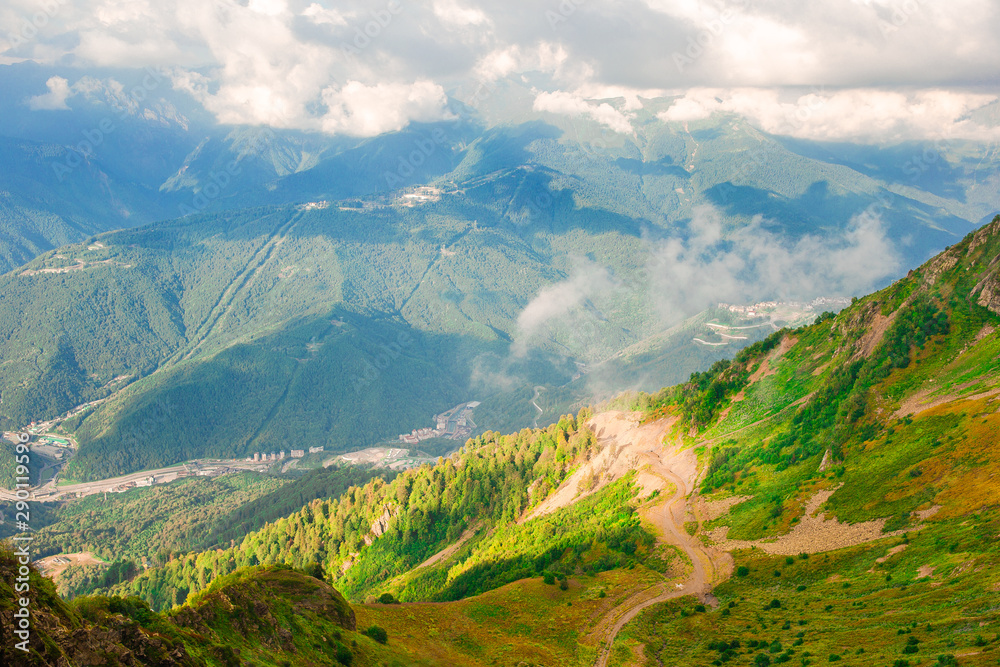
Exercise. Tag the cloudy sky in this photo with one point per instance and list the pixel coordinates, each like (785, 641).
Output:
(863, 70)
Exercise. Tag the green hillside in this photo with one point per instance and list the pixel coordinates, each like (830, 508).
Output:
(825, 496)
(243, 332)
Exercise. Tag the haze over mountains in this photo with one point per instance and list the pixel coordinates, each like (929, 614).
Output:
(544, 244)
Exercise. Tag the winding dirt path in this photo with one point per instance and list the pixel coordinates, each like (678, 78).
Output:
(707, 566)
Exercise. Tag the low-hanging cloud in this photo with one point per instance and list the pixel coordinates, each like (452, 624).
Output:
(572, 105)
(59, 92)
(752, 263)
(555, 302)
(869, 116)
(708, 264)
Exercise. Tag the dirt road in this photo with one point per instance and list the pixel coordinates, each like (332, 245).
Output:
(708, 567)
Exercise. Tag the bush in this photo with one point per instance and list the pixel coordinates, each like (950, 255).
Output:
(344, 655)
(316, 571)
(378, 634)
(549, 578)
(742, 571)
(834, 657)
(700, 608)
(387, 598)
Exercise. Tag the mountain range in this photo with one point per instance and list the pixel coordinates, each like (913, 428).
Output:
(351, 289)
(844, 465)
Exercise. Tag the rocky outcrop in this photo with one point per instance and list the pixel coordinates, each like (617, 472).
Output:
(380, 525)
(988, 288)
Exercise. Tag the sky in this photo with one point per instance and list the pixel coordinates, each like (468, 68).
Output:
(858, 70)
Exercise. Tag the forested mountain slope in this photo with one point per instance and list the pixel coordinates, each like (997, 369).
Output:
(303, 306)
(832, 390)
(883, 417)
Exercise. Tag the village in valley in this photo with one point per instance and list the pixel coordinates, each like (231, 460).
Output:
(54, 449)
(454, 424)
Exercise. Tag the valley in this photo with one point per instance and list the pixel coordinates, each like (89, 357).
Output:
(473, 334)
(846, 464)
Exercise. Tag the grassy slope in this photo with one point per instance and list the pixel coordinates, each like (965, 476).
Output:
(941, 587)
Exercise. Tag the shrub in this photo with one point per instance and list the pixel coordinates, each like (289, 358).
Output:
(387, 598)
(344, 655)
(378, 634)
(834, 657)
(316, 571)
(700, 608)
(549, 578)
(742, 571)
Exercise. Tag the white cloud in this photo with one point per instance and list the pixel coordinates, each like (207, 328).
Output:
(863, 115)
(370, 110)
(568, 104)
(690, 274)
(450, 11)
(557, 301)
(59, 92)
(265, 60)
(268, 7)
(320, 15)
(498, 63)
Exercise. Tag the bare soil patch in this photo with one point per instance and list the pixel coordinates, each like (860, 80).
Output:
(815, 533)
(922, 400)
(624, 441)
(54, 566)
